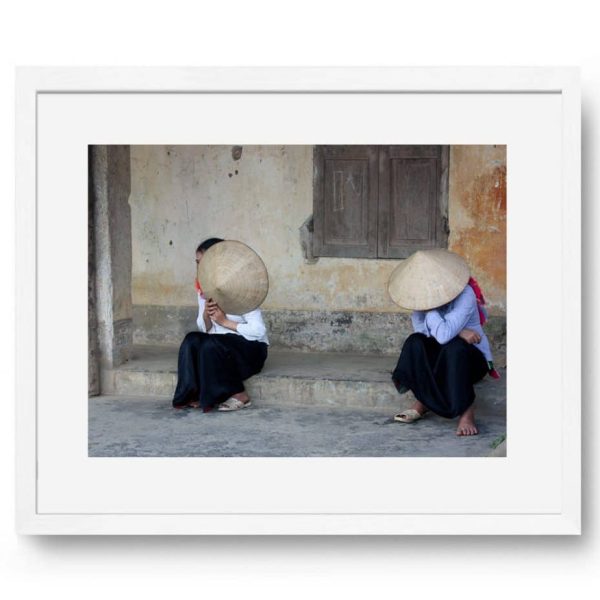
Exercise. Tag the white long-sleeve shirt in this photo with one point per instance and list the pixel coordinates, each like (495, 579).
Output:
(446, 322)
(250, 325)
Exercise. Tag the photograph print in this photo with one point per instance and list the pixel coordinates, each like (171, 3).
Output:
(297, 301)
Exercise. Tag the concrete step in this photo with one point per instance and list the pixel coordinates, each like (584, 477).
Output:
(293, 378)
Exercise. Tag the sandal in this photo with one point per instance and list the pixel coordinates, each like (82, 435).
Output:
(410, 415)
(233, 404)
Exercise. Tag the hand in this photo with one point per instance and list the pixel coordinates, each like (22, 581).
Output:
(205, 314)
(215, 312)
(470, 336)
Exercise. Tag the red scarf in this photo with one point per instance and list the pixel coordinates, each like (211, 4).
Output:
(198, 288)
(480, 300)
(482, 319)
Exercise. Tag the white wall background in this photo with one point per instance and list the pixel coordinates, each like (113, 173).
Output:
(311, 32)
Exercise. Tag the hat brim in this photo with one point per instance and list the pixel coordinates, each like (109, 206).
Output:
(234, 276)
(428, 279)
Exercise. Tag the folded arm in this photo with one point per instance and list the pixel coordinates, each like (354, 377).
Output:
(418, 322)
(254, 328)
(444, 328)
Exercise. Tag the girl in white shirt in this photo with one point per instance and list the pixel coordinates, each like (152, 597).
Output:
(214, 361)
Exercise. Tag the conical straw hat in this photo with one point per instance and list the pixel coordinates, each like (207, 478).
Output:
(234, 276)
(428, 279)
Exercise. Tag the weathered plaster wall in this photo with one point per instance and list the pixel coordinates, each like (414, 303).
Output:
(181, 195)
(477, 212)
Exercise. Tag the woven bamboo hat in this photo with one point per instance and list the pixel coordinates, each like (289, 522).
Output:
(428, 279)
(234, 276)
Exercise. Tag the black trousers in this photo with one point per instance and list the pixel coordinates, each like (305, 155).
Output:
(440, 376)
(211, 368)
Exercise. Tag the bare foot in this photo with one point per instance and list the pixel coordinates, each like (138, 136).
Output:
(466, 423)
(242, 397)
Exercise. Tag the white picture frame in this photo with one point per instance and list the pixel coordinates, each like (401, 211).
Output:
(543, 468)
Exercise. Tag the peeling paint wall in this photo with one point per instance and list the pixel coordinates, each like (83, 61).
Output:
(477, 212)
(262, 195)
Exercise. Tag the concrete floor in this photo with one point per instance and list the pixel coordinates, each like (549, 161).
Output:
(135, 426)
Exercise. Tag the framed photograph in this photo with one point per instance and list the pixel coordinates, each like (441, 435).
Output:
(298, 301)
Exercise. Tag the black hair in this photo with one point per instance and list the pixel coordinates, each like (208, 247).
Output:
(206, 244)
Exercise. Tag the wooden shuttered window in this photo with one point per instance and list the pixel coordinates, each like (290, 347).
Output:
(345, 201)
(379, 201)
(413, 199)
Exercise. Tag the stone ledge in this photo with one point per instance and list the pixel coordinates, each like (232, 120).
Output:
(355, 332)
(293, 378)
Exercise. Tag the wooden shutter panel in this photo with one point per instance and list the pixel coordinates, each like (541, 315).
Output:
(345, 186)
(413, 192)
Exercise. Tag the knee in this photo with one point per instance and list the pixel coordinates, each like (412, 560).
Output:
(414, 339)
(457, 343)
(207, 344)
(456, 348)
(193, 338)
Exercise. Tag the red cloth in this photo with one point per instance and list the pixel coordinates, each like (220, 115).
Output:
(480, 300)
(482, 318)
(198, 288)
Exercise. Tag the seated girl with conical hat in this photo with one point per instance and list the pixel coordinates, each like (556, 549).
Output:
(231, 342)
(448, 351)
